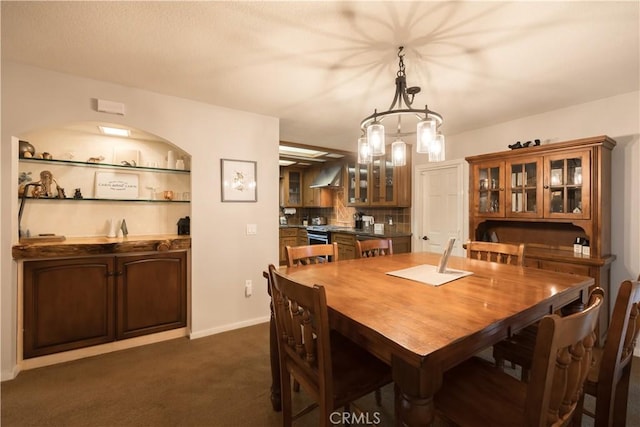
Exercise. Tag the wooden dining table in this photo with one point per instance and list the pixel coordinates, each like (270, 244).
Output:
(422, 330)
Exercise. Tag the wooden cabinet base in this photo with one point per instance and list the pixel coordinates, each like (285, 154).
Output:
(81, 302)
(81, 353)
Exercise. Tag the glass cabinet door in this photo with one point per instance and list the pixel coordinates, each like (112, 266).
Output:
(382, 181)
(567, 189)
(377, 189)
(489, 189)
(524, 198)
(357, 184)
(294, 189)
(389, 194)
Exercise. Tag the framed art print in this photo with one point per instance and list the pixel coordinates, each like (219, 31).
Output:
(238, 180)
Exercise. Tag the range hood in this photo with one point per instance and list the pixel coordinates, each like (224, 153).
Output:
(329, 177)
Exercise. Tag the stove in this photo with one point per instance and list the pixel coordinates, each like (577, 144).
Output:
(321, 234)
(318, 234)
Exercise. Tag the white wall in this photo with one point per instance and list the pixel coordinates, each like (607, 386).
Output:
(617, 117)
(223, 256)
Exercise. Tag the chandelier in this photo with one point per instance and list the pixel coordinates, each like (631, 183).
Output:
(429, 140)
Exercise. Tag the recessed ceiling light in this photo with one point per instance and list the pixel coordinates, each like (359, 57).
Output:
(286, 162)
(335, 155)
(301, 152)
(114, 131)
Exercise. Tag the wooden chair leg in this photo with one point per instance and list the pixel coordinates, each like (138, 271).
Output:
(296, 386)
(576, 421)
(378, 394)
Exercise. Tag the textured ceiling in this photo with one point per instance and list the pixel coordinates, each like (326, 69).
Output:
(323, 66)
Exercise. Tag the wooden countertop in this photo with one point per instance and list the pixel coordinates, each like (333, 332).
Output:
(98, 245)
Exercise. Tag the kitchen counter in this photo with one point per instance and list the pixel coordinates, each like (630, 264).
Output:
(98, 245)
(351, 230)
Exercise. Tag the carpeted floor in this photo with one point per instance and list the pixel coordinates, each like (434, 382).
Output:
(221, 380)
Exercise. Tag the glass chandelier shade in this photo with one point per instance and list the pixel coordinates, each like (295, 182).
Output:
(436, 149)
(365, 154)
(399, 153)
(375, 138)
(426, 135)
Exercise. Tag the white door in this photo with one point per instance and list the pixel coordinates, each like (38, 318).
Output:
(440, 207)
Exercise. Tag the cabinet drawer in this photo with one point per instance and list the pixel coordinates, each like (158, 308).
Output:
(288, 232)
(344, 239)
(582, 270)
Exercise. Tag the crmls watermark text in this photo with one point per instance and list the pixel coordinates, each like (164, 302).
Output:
(363, 418)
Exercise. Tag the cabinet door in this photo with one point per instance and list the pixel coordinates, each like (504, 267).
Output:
(524, 188)
(383, 182)
(152, 293)
(346, 245)
(293, 188)
(488, 189)
(357, 193)
(68, 304)
(567, 185)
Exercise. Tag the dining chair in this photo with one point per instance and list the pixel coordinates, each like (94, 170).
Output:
(373, 247)
(477, 393)
(331, 368)
(505, 253)
(311, 254)
(608, 379)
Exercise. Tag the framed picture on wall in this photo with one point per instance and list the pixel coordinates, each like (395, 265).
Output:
(238, 180)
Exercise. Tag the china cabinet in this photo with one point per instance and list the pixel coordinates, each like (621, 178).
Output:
(379, 183)
(548, 197)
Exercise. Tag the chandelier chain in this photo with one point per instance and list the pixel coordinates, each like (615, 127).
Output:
(401, 72)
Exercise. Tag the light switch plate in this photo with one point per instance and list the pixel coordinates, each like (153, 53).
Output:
(252, 229)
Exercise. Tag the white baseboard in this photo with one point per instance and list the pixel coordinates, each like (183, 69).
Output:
(229, 327)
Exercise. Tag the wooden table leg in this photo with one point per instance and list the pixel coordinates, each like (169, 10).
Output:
(276, 400)
(415, 391)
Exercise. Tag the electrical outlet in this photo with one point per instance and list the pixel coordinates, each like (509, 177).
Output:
(252, 229)
(248, 288)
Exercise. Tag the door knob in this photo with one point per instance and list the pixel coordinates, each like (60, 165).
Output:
(425, 238)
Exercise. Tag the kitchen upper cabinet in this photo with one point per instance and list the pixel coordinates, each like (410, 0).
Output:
(315, 197)
(291, 185)
(378, 184)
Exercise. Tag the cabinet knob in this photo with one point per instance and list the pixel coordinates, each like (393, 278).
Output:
(163, 246)
(546, 187)
(425, 237)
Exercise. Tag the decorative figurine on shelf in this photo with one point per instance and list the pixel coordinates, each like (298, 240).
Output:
(123, 228)
(61, 193)
(25, 149)
(23, 179)
(77, 194)
(95, 159)
(46, 179)
(519, 144)
(516, 145)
